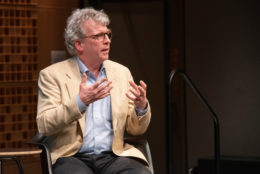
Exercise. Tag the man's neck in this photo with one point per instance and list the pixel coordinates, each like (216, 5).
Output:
(94, 67)
(95, 70)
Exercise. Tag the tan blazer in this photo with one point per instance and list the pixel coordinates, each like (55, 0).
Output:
(59, 118)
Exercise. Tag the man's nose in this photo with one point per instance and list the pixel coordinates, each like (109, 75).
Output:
(107, 39)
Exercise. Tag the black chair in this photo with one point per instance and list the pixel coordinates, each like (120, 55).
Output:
(42, 143)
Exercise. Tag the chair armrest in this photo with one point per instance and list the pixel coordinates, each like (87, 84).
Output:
(143, 146)
(41, 142)
(38, 138)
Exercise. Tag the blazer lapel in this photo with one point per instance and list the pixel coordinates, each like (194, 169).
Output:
(111, 76)
(72, 84)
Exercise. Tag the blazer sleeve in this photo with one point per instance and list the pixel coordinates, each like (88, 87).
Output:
(136, 125)
(54, 110)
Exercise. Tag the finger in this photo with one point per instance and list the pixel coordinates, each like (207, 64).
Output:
(133, 85)
(104, 93)
(84, 78)
(142, 90)
(107, 90)
(144, 86)
(99, 82)
(130, 97)
(135, 93)
(104, 86)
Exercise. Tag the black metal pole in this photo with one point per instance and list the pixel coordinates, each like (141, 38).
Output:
(169, 133)
(168, 123)
(213, 114)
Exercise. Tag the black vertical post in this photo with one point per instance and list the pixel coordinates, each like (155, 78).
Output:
(186, 158)
(169, 134)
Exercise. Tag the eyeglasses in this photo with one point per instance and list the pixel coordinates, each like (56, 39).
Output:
(101, 36)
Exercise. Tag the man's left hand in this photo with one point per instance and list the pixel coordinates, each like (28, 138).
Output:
(139, 95)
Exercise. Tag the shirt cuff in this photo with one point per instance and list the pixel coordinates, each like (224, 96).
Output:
(140, 112)
(81, 105)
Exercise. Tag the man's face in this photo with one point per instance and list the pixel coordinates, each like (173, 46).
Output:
(95, 45)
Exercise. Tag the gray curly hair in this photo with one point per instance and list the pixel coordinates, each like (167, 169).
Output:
(74, 31)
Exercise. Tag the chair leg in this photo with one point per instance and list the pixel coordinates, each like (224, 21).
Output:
(18, 163)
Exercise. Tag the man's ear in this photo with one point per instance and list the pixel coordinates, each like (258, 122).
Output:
(78, 46)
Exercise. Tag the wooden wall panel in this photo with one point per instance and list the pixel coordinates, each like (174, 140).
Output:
(29, 30)
(18, 69)
(52, 22)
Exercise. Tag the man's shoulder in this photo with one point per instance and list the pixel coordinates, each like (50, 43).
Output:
(115, 65)
(59, 66)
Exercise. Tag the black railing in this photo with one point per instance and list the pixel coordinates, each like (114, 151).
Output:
(213, 114)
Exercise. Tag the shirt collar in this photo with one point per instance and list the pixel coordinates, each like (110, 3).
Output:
(84, 69)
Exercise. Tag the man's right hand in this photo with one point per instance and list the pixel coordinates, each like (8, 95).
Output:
(99, 90)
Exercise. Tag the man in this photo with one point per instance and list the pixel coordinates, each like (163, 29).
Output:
(86, 103)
